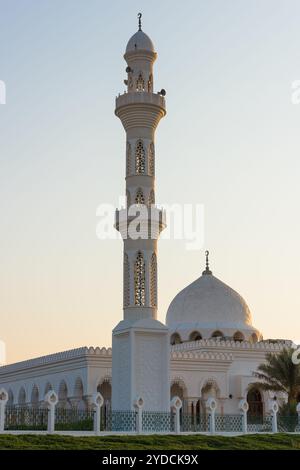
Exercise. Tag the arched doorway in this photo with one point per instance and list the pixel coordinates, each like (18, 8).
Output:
(178, 389)
(105, 389)
(256, 409)
(35, 396)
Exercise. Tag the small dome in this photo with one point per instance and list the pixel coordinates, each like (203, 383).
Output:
(139, 40)
(208, 305)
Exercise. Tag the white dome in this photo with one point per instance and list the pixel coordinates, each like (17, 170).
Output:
(208, 305)
(139, 40)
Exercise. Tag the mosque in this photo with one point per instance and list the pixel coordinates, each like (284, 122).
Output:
(208, 346)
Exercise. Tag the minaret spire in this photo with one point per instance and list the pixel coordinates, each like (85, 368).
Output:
(140, 21)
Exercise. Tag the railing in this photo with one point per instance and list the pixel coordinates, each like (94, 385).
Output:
(158, 421)
(25, 418)
(51, 418)
(229, 423)
(74, 420)
(288, 423)
(140, 97)
(190, 423)
(120, 421)
(259, 423)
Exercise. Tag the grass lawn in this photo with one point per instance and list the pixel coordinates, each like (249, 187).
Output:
(153, 442)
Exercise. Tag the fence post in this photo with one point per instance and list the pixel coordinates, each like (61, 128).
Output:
(98, 401)
(51, 399)
(139, 405)
(298, 411)
(176, 405)
(274, 410)
(211, 406)
(244, 407)
(3, 401)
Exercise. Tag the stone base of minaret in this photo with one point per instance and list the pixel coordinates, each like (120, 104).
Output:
(140, 365)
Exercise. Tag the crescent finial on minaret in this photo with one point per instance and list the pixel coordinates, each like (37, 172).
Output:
(140, 21)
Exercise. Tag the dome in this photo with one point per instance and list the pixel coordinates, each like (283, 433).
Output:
(139, 40)
(210, 308)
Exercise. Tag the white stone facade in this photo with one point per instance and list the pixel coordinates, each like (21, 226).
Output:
(197, 370)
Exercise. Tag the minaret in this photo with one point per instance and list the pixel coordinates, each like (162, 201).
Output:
(140, 342)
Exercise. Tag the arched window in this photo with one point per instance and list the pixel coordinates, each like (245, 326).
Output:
(151, 197)
(217, 334)
(153, 281)
(128, 159)
(10, 398)
(140, 83)
(238, 336)
(139, 280)
(48, 387)
(254, 338)
(151, 164)
(126, 281)
(139, 197)
(175, 339)
(139, 158)
(150, 83)
(178, 389)
(255, 412)
(105, 389)
(195, 336)
(22, 396)
(63, 391)
(78, 388)
(35, 395)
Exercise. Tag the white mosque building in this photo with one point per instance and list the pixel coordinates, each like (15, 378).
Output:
(208, 346)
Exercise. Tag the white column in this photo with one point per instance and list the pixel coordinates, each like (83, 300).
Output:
(51, 400)
(139, 405)
(176, 405)
(97, 402)
(211, 406)
(274, 411)
(3, 401)
(244, 407)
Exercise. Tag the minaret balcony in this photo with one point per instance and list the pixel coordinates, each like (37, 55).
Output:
(149, 221)
(140, 109)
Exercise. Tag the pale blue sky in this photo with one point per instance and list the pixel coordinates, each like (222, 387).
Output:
(230, 141)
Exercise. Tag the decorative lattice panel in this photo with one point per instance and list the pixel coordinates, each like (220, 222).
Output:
(228, 423)
(74, 420)
(26, 418)
(190, 423)
(120, 421)
(259, 424)
(288, 423)
(158, 421)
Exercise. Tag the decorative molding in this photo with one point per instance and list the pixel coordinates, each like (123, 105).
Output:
(201, 355)
(57, 357)
(229, 344)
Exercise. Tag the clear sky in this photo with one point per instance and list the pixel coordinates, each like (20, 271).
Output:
(230, 141)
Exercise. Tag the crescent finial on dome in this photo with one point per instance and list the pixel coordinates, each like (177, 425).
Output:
(207, 270)
(140, 21)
